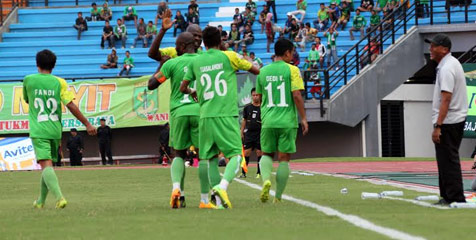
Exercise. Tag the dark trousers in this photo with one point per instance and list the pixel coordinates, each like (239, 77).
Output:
(449, 167)
(272, 4)
(105, 149)
(75, 158)
(109, 39)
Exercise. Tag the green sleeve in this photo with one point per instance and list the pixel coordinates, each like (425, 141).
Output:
(258, 85)
(134, 11)
(125, 11)
(165, 69)
(25, 94)
(132, 61)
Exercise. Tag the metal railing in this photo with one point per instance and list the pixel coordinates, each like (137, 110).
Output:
(74, 79)
(387, 32)
(469, 56)
(14, 5)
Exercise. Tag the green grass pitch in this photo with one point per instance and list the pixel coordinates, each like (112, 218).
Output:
(133, 204)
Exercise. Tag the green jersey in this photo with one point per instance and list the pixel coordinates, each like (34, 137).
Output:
(331, 40)
(175, 69)
(276, 82)
(44, 93)
(313, 55)
(382, 3)
(301, 5)
(151, 30)
(215, 72)
(129, 61)
(322, 14)
(359, 21)
(375, 19)
(95, 12)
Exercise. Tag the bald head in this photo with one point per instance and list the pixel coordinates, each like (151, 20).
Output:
(196, 31)
(185, 43)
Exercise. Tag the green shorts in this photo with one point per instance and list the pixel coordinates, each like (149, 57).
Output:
(46, 149)
(184, 132)
(281, 140)
(219, 134)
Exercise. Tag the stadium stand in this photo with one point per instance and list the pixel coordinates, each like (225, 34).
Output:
(51, 28)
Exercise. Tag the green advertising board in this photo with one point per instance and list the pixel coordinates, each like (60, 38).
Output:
(470, 126)
(122, 102)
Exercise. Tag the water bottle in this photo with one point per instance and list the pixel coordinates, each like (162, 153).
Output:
(344, 191)
(462, 205)
(428, 198)
(367, 195)
(392, 193)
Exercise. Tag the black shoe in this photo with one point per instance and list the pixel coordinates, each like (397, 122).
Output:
(182, 202)
(243, 175)
(442, 202)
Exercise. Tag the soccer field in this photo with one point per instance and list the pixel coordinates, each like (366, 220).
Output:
(130, 203)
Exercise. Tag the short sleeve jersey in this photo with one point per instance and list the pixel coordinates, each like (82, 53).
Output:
(276, 82)
(215, 73)
(313, 55)
(44, 94)
(252, 116)
(172, 52)
(175, 69)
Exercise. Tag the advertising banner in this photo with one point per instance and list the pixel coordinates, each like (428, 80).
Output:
(17, 154)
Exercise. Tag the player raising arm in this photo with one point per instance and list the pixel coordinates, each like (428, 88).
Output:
(44, 93)
(219, 130)
(280, 85)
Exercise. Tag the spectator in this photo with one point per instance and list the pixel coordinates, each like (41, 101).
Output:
(161, 9)
(248, 37)
(106, 12)
(301, 36)
(262, 17)
(425, 10)
(194, 6)
(249, 17)
(120, 32)
(150, 33)
(269, 31)
(105, 138)
(75, 146)
(350, 4)
(366, 5)
(130, 13)
(382, 5)
(256, 60)
(336, 2)
(81, 24)
(322, 18)
(316, 89)
(296, 59)
(374, 22)
(179, 23)
(272, 4)
(111, 60)
(244, 53)
(238, 19)
(301, 6)
(313, 57)
(128, 64)
(345, 16)
(311, 34)
(370, 55)
(192, 17)
(234, 37)
(392, 5)
(294, 29)
(141, 32)
(107, 34)
(95, 13)
(288, 24)
(223, 34)
(252, 5)
(332, 35)
(359, 24)
(334, 15)
(322, 51)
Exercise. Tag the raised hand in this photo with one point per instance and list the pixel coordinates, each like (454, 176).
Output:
(167, 22)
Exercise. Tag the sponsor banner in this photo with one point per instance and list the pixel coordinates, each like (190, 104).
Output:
(122, 102)
(470, 126)
(17, 154)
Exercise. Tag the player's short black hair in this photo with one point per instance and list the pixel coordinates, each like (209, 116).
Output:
(93, 4)
(281, 46)
(46, 59)
(253, 90)
(211, 37)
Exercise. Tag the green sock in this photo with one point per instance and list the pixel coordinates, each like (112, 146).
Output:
(232, 168)
(182, 182)
(266, 167)
(282, 176)
(203, 177)
(176, 171)
(43, 191)
(51, 181)
(213, 172)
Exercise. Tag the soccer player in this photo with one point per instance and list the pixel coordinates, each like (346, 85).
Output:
(46, 92)
(279, 85)
(219, 131)
(162, 55)
(184, 119)
(251, 130)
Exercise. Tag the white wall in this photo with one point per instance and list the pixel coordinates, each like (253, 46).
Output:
(417, 120)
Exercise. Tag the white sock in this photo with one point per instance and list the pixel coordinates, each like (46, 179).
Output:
(176, 186)
(182, 193)
(218, 200)
(224, 184)
(204, 197)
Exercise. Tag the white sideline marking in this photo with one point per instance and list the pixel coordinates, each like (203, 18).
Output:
(420, 203)
(352, 219)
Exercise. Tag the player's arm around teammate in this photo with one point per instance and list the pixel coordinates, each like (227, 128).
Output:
(280, 85)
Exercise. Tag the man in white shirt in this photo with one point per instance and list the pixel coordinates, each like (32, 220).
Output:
(450, 108)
